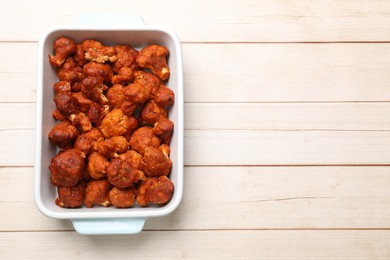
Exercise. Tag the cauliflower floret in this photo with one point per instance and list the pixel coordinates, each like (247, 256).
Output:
(122, 198)
(66, 103)
(122, 175)
(164, 129)
(97, 193)
(154, 58)
(95, 51)
(87, 142)
(113, 146)
(93, 89)
(157, 190)
(71, 197)
(97, 166)
(70, 71)
(151, 113)
(115, 95)
(142, 138)
(95, 69)
(116, 123)
(63, 135)
(67, 168)
(63, 48)
(156, 162)
(125, 65)
(164, 96)
(81, 121)
(133, 158)
(62, 86)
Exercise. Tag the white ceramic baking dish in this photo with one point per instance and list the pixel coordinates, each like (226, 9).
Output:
(109, 29)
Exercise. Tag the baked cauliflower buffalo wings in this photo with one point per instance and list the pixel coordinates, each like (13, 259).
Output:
(97, 166)
(67, 168)
(122, 198)
(133, 158)
(125, 65)
(116, 123)
(151, 113)
(122, 175)
(97, 193)
(113, 133)
(164, 96)
(110, 148)
(157, 190)
(62, 86)
(70, 71)
(143, 138)
(63, 47)
(154, 58)
(93, 88)
(96, 51)
(164, 129)
(156, 162)
(63, 135)
(71, 197)
(115, 95)
(87, 141)
(66, 103)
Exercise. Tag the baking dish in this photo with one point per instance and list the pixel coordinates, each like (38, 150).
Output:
(110, 30)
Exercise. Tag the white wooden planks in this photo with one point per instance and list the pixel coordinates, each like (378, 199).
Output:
(220, 21)
(240, 244)
(249, 134)
(239, 198)
(247, 147)
(356, 116)
(293, 87)
(250, 72)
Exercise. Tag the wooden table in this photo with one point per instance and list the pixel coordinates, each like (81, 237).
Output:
(287, 132)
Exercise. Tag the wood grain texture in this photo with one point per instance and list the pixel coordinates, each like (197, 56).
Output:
(284, 103)
(357, 116)
(17, 116)
(251, 72)
(19, 146)
(286, 72)
(242, 244)
(239, 198)
(18, 72)
(247, 147)
(250, 147)
(221, 21)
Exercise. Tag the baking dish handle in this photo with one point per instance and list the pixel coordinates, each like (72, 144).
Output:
(108, 226)
(110, 20)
